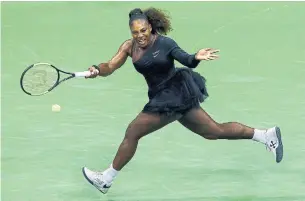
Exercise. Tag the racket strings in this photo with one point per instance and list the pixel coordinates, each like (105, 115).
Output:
(39, 79)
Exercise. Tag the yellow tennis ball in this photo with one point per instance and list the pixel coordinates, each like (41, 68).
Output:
(55, 108)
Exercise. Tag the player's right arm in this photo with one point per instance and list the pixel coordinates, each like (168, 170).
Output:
(106, 69)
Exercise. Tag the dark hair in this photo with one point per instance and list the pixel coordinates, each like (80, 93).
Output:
(159, 20)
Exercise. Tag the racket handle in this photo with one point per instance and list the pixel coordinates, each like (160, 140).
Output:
(83, 74)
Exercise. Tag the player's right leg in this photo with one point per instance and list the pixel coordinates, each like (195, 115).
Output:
(142, 125)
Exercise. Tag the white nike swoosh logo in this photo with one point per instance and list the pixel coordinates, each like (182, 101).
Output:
(155, 54)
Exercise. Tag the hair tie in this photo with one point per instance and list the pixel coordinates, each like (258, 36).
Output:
(136, 16)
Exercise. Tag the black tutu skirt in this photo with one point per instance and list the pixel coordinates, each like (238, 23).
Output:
(182, 91)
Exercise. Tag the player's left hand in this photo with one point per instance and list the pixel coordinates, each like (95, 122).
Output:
(207, 54)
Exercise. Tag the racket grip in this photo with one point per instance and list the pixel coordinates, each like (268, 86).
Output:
(84, 73)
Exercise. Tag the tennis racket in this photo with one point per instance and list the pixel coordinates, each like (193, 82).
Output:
(41, 78)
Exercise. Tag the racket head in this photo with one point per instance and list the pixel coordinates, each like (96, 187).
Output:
(39, 79)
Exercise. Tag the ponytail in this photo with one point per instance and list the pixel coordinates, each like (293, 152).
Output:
(159, 20)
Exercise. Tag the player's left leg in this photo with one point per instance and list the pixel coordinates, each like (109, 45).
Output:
(198, 121)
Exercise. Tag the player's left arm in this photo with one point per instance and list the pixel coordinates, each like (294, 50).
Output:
(190, 60)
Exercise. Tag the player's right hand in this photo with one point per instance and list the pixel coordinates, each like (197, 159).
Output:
(94, 72)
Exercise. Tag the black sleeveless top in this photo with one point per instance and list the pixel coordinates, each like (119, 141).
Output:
(157, 63)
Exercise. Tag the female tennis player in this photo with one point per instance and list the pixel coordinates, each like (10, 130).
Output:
(174, 93)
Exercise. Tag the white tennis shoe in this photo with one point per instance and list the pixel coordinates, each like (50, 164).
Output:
(96, 179)
(274, 143)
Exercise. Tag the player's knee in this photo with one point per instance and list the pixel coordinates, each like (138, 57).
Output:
(219, 131)
(213, 134)
(133, 133)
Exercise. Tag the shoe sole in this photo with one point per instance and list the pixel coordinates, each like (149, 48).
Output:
(83, 170)
(280, 149)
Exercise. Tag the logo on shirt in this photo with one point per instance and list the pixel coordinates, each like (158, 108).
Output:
(156, 53)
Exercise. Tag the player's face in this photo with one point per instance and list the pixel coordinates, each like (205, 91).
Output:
(141, 32)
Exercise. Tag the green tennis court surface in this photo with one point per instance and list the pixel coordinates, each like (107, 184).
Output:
(259, 81)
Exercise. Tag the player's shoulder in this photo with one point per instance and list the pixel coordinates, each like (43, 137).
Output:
(127, 44)
(167, 41)
(165, 38)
